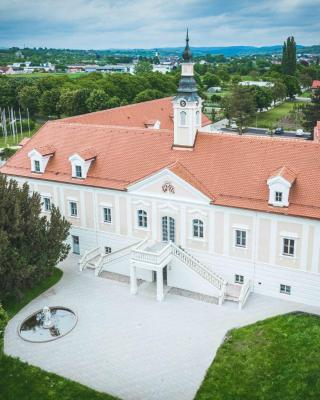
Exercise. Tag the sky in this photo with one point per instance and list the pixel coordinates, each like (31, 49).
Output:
(104, 24)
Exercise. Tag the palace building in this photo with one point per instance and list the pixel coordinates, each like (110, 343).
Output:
(154, 195)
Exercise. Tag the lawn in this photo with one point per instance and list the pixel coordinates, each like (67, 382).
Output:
(19, 380)
(274, 359)
(271, 118)
(13, 141)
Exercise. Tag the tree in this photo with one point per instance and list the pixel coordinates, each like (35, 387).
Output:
(30, 244)
(292, 85)
(148, 94)
(278, 91)
(210, 79)
(262, 97)
(97, 100)
(28, 98)
(289, 57)
(311, 113)
(142, 67)
(241, 106)
(49, 102)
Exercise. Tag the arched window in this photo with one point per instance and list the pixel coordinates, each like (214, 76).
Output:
(142, 219)
(198, 118)
(183, 118)
(197, 225)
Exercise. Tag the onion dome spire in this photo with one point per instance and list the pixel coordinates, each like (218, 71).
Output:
(187, 55)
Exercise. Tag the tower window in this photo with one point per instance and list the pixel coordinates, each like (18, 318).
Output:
(198, 118)
(183, 118)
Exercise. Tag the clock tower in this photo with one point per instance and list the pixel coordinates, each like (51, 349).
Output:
(186, 104)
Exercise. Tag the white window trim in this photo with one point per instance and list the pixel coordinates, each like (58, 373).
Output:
(137, 226)
(235, 238)
(288, 256)
(180, 124)
(69, 208)
(285, 293)
(46, 196)
(105, 205)
(235, 279)
(198, 238)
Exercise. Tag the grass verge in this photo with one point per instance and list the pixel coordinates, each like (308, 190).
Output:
(274, 359)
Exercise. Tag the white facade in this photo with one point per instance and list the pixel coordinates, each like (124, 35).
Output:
(261, 259)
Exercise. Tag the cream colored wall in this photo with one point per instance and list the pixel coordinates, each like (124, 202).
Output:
(310, 248)
(263, 251)
(136, 230)
(106, 200)
(242, 222)
(287, 229)
(70, 195)
(219, 232)
(89, 205)
(123, 216)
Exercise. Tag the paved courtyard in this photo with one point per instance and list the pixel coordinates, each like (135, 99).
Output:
(132, 346)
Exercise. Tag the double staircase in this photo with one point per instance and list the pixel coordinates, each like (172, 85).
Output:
(153, 254)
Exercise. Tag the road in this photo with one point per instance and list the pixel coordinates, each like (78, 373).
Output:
(263, 132)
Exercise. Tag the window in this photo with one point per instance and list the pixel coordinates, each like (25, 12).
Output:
(288, 247)
(241, 238)
(46, 204)
(197, 228)
(78, 171)
(142, 219)
(73, 209)
(36, 166)
(75, 244)
(107, 215)
(239, 278)
(107, 250)
(278, 197)
(285, 289)
(183, 118)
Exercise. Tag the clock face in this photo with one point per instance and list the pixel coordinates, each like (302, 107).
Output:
(183, 103)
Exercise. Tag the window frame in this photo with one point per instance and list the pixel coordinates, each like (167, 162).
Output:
(37, 166)
(78, 168)
(239, 279)
(76, 215)
(182, 112)
(107, 250)
(142, 219)
(243, 232)
(290, 245)
(278, 196)
(285, 289)
(44, 205)
(104, 219)
(197, 229)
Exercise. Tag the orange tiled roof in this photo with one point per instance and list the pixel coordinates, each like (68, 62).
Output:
(315, 84)
(134, 115)
(45, 150)
(88, 153)
(286, 174)
(231, 170)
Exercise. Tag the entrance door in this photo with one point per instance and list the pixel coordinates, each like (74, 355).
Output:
(168, 229)
(75, 244)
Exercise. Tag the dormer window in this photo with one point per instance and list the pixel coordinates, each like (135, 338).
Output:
(78, 171)
(280, 184)
(278, 197)
(36, 166)
(39, 158)
(80, 163)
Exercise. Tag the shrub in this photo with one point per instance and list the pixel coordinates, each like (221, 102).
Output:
(3, 320)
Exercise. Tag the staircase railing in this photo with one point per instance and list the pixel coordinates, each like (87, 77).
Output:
(115, 255)
(150, 257)
(244, 294)
(198, 267)
(88, 256)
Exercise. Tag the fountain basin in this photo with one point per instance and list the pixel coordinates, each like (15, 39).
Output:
(41, 327)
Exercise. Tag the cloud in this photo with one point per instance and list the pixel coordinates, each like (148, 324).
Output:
(104, 24)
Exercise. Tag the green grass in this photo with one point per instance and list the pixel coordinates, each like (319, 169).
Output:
(19, 380)
(14, 141)
(270, 119)
(275, 359)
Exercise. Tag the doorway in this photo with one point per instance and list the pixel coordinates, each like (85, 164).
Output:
(168, 229)
(75, 244)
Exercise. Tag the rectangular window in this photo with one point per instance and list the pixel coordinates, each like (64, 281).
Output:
(241, 238)
(73, 209)
(75, 244)
(288, 247)
(107, 215)
(36, 165)
(46, 204)
(78, 171)
(285, 289)
(278, 197)
(107, 250)
(239, 278)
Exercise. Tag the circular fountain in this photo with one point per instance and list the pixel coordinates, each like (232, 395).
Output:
(47, 324)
